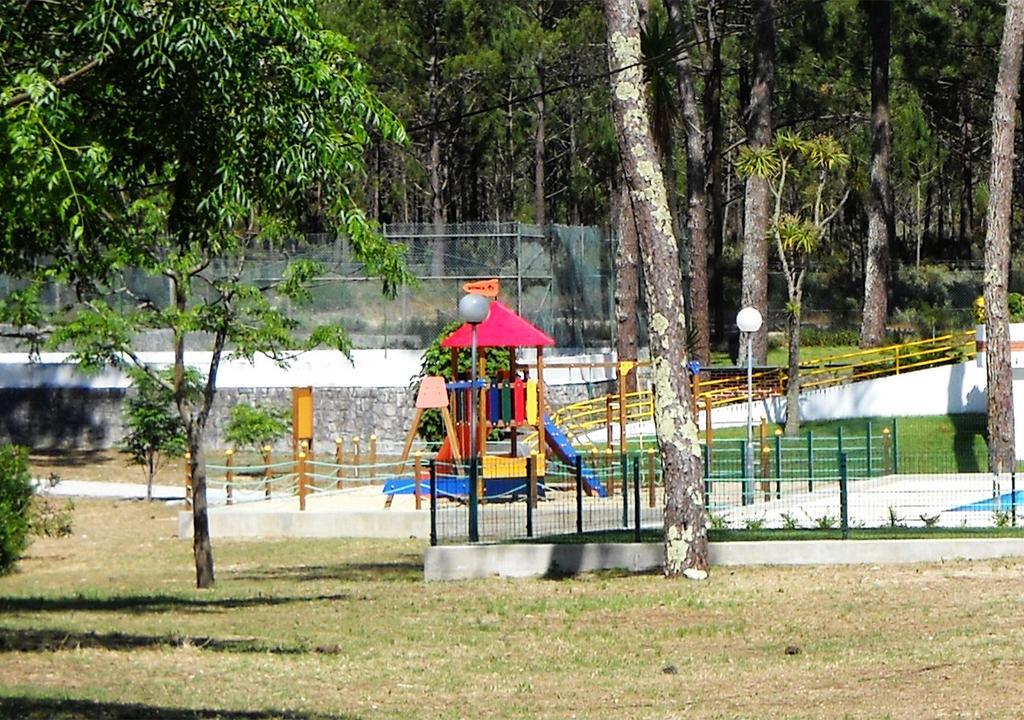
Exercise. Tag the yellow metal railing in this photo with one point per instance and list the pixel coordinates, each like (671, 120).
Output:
(579, 420)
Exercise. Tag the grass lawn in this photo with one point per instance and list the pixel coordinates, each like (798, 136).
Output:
(935, 444)
(105, 625)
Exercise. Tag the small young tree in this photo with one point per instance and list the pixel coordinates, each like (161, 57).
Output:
(255, 426)
(15, 501)
(801, 176)
(155, 431)
(184, 142)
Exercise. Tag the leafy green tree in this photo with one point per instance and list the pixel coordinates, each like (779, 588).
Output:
(802, 177)
(15, 502)
(155, 431)
(181, 140)
(253, 426)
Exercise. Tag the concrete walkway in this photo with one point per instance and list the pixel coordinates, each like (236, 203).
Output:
(111, 490)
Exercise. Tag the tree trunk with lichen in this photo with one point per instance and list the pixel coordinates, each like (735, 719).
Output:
(696, 191)
(882, 213)
(627, 285)
(756, 209)
(1001, 455)
(686, 546)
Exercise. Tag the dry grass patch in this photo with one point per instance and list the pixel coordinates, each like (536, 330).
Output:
(106, 625)
(98, 465)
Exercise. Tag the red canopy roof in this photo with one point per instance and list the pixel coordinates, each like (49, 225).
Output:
(502, 328)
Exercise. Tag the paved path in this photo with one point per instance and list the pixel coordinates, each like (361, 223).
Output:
(112, 490)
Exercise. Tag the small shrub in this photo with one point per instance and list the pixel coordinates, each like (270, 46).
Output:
(754, 524)
(1001, 518)
(789, 522)
(253, 427)
(48, 518)
(826, 522)
(717, 522)
(15, 499)
(811, 336)
(1015, 301)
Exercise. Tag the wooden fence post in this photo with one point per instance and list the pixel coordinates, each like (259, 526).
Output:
(267, 474)
(357, 459)
(373, 457)
(417, 466)
(302, 476)
(188, 481)
(229, 475)
(339, 460)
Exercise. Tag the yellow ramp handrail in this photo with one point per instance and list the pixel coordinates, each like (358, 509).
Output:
(581, 418)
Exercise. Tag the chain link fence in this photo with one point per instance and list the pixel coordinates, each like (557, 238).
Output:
(561, 278)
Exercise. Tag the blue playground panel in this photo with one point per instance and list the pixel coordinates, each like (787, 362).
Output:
(567, 453)
(1002, 503)
(457, 486)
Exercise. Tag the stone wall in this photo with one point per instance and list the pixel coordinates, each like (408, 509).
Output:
(61, 417)
(90, 418)
(337, 412)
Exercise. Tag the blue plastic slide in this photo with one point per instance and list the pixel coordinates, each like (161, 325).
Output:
(563, 449)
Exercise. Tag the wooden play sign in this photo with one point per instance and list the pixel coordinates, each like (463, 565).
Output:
(432, 393)
(487, 288)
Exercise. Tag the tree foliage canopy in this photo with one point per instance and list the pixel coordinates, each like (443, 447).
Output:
(149, 150)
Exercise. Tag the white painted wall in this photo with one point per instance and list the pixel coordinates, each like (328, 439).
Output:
(946, 390)
(316, 368)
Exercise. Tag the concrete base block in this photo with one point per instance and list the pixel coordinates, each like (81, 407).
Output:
(873, 552)
(459, 562)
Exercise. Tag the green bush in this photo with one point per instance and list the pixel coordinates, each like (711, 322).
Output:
(49, 518)
(811, 336)
(253, 427)
(15, 501)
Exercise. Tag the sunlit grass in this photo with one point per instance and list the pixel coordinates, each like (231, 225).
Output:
(106, 625)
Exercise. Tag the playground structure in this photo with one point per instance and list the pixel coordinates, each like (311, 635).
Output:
(793, 478)
(506, 407)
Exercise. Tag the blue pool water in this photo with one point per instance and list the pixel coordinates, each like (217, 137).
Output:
(1004, 502)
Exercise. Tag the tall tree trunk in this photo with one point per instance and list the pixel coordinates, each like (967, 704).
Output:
(716, 225)
(1001, 455)
(696, 190)
(510, 170)
(627, 281)
(793, 367)
(438, 213)
(966, 184)
(686, 546)
(539, 139)
(756, 209)
(882, 213)
(572, 161)
(202, 548)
